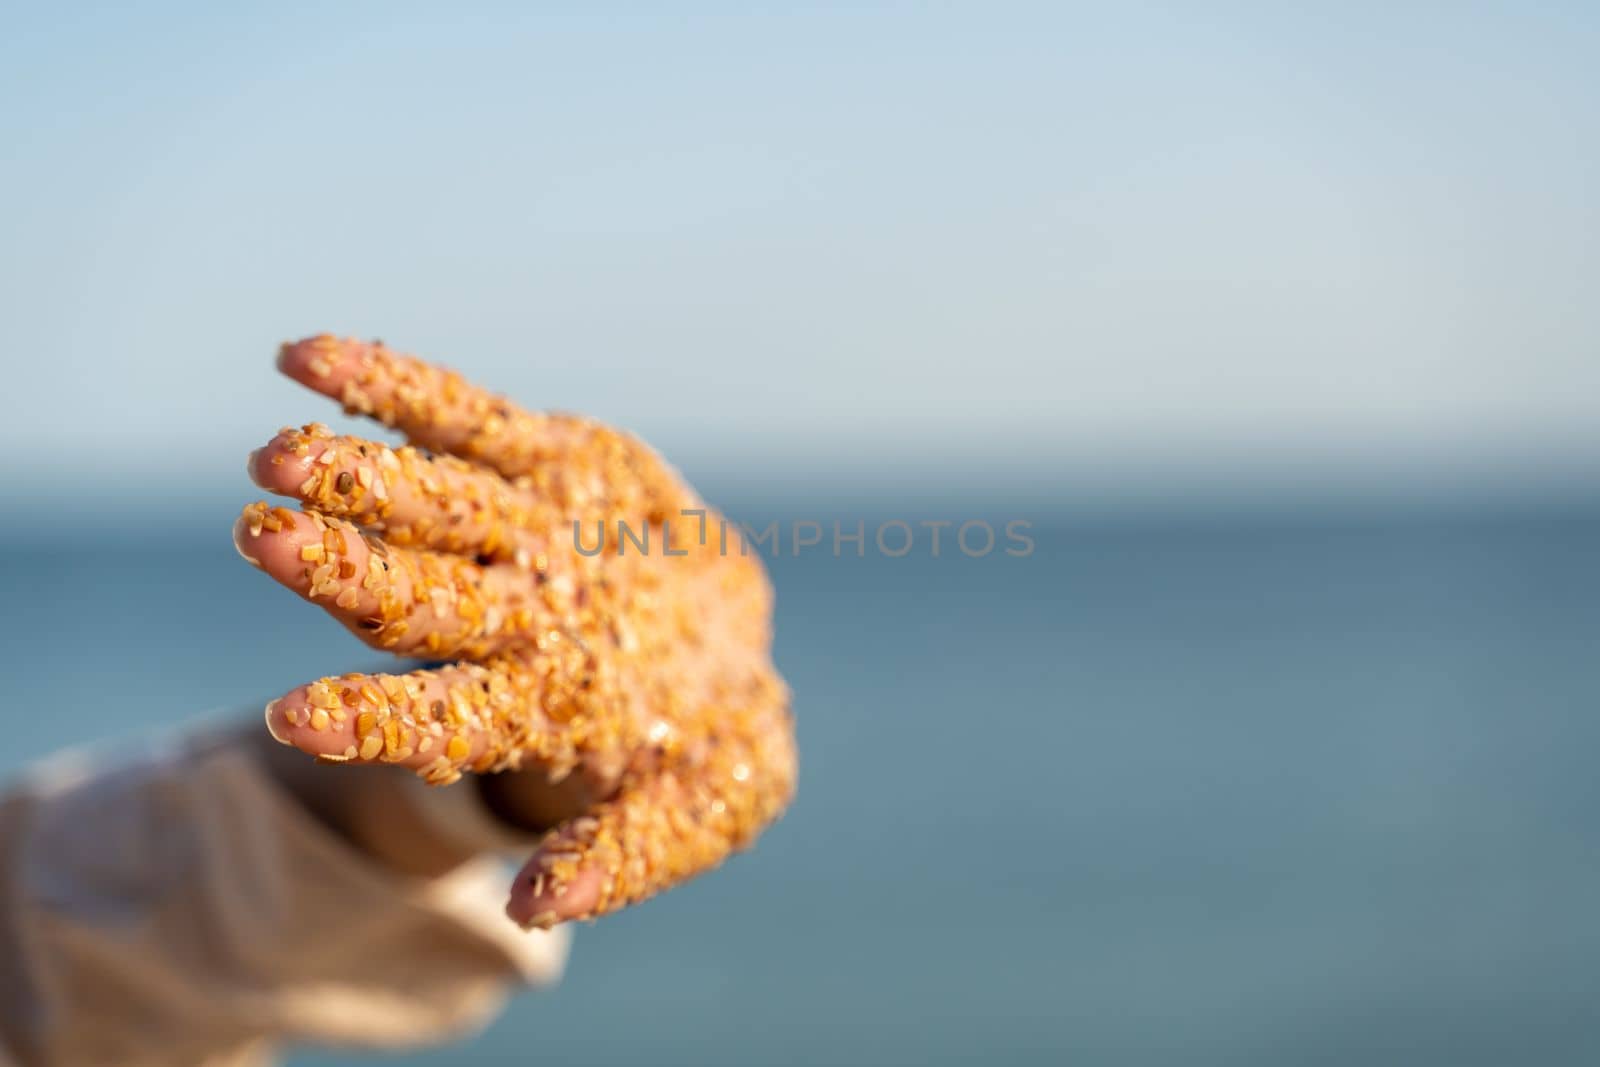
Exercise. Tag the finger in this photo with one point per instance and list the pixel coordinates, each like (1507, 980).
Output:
(431, 405)
(508, 714)
(407, 601)
(440, 503)
(577, 464)
(661, 830)
(433, 721)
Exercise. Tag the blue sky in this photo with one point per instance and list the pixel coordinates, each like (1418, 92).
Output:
(847, 240)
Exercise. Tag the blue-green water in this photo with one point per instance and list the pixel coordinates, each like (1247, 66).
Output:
(1179, 791)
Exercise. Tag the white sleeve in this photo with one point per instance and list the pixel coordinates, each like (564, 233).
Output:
(183, 910)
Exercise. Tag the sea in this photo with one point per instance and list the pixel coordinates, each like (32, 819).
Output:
(1232, 785)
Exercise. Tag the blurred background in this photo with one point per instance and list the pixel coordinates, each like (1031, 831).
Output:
(1277, 323)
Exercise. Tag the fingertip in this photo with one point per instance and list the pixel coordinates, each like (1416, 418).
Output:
(260, 468)
(277, 468)
(295, 720)
(295, 357)
(255, 531)
(276, 551)
(539, 899)
(320, 363)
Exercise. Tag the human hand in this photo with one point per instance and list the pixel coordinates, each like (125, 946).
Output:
(630, 690)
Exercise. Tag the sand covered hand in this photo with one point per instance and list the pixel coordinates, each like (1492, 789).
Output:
(608, 635)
